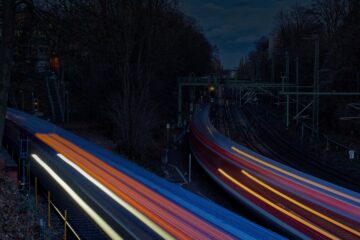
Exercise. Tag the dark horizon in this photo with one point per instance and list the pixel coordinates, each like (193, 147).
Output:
(235, 25)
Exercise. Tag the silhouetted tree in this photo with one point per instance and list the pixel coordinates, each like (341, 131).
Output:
(122, 58)
(6, 57)
(336, 25)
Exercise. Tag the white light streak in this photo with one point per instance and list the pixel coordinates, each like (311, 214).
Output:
(121, 202)
(98, 219)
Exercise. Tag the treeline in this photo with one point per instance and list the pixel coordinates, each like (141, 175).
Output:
(336, 25)
(121, 59)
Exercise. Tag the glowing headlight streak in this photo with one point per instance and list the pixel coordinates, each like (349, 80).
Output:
(178, 229)
(82, 158)
(265, 200)
(121, 202)
(296, 176)
(93, 215)
(355, 232)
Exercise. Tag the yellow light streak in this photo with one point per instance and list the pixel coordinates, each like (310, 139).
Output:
(92, 214)
(296, 176)
(290, 214)
(357, 233)
(121, 202)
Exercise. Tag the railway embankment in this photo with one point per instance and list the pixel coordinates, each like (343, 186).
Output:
(19, 216)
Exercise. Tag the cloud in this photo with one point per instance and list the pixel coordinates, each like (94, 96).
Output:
(219, 31)
(213, 6)
(247, 38)
(234, 25)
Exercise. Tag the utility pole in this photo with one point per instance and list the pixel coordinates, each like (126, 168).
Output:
(287, 111)
(67, 107)
(167, 133)
(179, 105)
(286, 81)
(287, 67)
(189, 168)
(273, 69)
(315, 123)
(240, 96)
(297, 86)
(22, 100)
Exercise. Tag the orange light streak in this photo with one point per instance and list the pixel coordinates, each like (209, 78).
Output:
(265, 200)
(168, 205)
(156, 212)
(355, 232)
(108, 181)
(296, 176)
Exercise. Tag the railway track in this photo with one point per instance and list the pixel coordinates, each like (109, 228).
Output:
(303, 205)
(260, 136)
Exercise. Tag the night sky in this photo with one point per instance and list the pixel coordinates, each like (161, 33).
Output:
(234, 25)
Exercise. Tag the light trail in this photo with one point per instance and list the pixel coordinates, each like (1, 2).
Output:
(117, 187)
(121, 202)
(355, 232)
(180, 223)
(265, 200)
(92, 214)
(296, 176)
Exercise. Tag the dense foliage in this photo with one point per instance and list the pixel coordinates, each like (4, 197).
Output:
(121, 59)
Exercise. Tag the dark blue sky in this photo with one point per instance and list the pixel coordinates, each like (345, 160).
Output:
(234, 25)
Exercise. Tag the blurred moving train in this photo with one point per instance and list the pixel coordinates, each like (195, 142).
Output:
(305, 206)
(107, 196)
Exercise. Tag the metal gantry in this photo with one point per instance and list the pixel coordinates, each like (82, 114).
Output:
(238, 84)
(315, 103)
(191, 82)
(276, 90)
